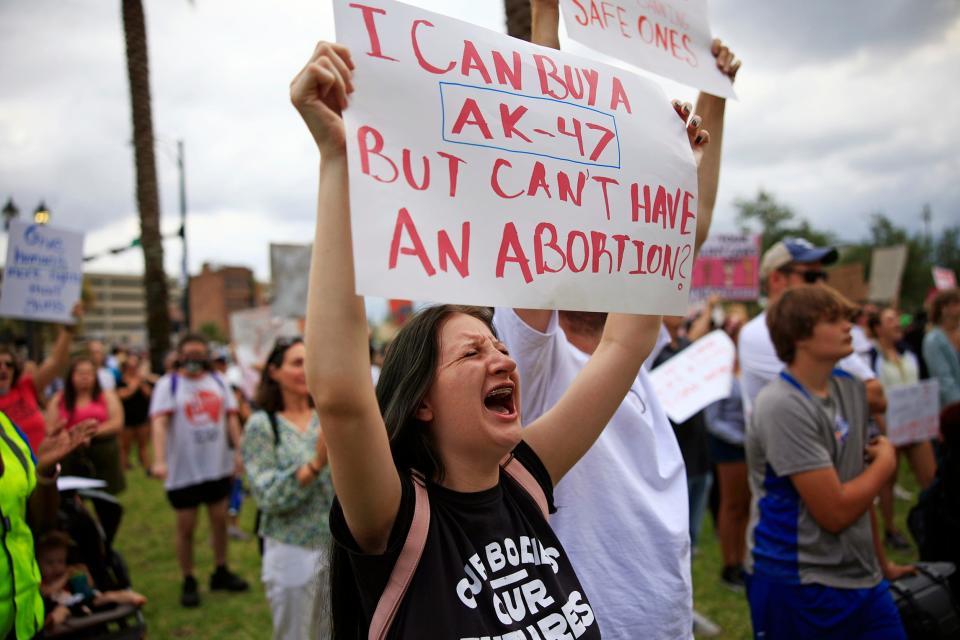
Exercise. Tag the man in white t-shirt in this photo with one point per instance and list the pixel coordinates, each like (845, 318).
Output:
(194, 424)
(790, 263)
(622, 509)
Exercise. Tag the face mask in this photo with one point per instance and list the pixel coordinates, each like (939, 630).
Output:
(194, 365)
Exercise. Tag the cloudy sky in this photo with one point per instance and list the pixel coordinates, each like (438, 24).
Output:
(846, 108)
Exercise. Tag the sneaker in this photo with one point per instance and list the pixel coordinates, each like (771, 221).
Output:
(189, 595)
(236, 533)
(896, 541)
(704, 627)
(225, 580)
(732, 578)
(902, 494)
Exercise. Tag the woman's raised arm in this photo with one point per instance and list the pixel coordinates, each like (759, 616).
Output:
(338, 360)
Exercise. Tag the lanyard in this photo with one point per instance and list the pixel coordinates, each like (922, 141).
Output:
(842, 428)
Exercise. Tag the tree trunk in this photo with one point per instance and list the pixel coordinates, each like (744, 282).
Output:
(518, 18)
(148, 199)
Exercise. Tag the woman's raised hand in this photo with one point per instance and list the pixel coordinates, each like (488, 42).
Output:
(319, 92)
(698, 136)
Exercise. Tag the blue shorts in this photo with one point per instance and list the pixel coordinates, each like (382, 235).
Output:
(800, 611)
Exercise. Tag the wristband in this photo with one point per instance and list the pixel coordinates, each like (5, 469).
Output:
(45, 480)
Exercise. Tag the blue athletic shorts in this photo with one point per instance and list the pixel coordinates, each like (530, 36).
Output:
(782, 611)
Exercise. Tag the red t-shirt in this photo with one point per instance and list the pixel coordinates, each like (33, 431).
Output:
(23, 407)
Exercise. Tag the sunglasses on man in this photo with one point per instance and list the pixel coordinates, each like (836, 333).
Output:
(810, 276)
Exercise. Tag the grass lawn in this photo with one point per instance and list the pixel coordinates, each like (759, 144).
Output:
(146, 541)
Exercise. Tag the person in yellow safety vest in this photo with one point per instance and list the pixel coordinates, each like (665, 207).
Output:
(28, 499)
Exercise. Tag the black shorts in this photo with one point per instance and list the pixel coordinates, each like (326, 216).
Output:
(722, 451)
(192, 496)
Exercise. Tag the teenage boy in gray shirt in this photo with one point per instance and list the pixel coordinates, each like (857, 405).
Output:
(815, 567)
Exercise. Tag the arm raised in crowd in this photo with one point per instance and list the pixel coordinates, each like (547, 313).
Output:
(59, 359)
(711, 108)
(337, 363)
(566, 432)
(544, 31)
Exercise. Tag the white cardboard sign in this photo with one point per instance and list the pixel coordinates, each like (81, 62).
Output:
(487, 170)
(913, 412)
(254, 332)
(290, 276)
(43, 273)
(698, 376)
(671, 38)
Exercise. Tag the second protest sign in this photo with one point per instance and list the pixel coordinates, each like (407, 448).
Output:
(487, 170)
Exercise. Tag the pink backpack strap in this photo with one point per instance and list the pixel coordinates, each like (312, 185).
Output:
(525, 479)
(406, 564)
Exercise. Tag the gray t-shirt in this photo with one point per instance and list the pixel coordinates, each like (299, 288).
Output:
(790, 432)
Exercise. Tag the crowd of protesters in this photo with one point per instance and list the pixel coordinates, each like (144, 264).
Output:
(500, 473)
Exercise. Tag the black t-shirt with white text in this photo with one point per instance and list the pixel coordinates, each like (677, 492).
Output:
(491, 569)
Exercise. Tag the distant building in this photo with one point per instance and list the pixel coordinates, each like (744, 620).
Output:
(216, 292)
(117, 314)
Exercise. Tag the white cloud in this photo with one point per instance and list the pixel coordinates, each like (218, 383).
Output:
(844, 109)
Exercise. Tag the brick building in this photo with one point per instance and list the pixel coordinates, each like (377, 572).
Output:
(216, 292)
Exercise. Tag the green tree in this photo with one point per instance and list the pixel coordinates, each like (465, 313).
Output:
(947, 249)
(775, 221)
(212, 332)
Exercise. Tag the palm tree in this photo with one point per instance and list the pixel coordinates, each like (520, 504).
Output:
(148, 199)
(518, 18)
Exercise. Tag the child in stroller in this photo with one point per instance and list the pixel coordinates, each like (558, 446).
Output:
(89, 544)
(69, 590)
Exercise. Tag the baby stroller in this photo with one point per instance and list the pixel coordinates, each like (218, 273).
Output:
(94, 536)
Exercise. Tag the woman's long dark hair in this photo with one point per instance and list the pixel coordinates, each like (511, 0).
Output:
(268, 396)
(408, 371)
(70, 392)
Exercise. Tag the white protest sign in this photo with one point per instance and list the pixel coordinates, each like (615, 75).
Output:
(944, 278)
(886, 272)
(671, 38)
(254, 332)
(43, 274)
(913, 412)
(486, 170)
(698, 376)
(289, 275)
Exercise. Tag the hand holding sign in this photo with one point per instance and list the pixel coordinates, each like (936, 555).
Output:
(509, 174)
(319, 92)
(727, 62)
(668, 37)
(43, 273)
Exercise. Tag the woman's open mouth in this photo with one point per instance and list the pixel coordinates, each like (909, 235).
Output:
(500, 400)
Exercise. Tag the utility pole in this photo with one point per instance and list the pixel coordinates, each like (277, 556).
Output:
(184, 271)
(927, 215)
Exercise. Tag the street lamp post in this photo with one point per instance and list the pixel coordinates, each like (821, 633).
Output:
(10, 211)
(41, 215)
